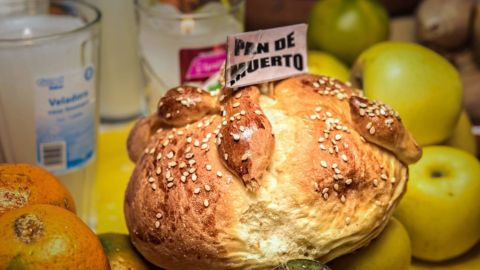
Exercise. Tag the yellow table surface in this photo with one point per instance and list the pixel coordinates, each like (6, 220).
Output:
(113, 171)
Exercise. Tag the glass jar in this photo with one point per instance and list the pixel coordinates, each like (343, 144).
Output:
(182, 43)
(48, 99)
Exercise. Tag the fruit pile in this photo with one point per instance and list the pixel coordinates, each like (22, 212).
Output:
(451, 28)
(437, 223)
(41, 231)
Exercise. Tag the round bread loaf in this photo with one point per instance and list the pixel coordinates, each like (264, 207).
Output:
(300, 168)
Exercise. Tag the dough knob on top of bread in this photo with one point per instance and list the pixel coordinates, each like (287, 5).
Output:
(185, 104)
(247, 145)
(249, 179)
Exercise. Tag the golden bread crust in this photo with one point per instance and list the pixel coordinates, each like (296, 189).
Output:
(317, 188)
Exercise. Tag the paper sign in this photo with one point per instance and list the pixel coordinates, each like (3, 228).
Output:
(266, 55)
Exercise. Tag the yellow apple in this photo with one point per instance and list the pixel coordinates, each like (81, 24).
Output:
(462, 136)
(469, 261)
(390, 251)
(417, 82)
(321, 63)
(440, 209)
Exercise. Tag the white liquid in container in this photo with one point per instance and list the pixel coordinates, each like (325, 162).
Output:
(121, 90)
(163, 36)
(48, 101)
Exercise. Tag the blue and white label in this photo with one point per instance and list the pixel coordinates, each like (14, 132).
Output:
(65, 114)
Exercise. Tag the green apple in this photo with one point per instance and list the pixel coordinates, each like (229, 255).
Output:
(462, 136)
(418, 83)
(321, 63)
(345, 28)
(121, 254)
(440, 209)
(390, 250)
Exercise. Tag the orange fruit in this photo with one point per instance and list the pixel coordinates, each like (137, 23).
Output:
(121, 253)
(25, 184)
(43, 236)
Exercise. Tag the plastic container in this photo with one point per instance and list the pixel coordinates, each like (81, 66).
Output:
(48, 98)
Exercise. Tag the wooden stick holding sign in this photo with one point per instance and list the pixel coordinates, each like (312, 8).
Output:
(266, 55)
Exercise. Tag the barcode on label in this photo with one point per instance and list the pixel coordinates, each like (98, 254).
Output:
(53, 154)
